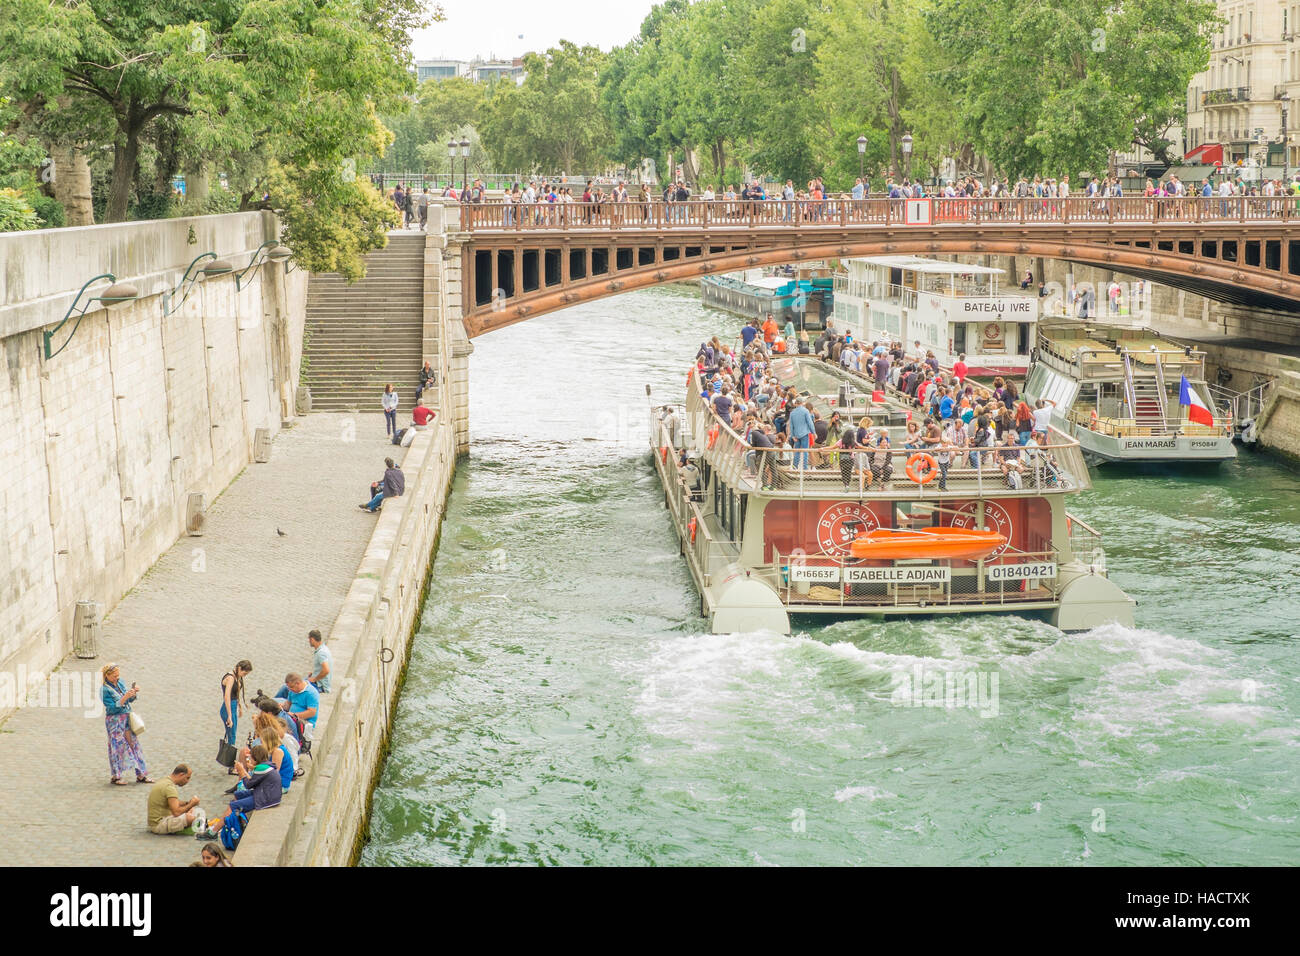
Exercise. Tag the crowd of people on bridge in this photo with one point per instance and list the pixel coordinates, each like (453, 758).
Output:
(957, 421)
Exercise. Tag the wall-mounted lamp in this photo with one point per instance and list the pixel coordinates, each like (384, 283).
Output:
(273, 251)
(115, 294)
(217, 267)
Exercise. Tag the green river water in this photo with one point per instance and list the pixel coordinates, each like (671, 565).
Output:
(565, 705)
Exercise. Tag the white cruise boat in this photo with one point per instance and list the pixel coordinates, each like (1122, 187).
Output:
(951, 308)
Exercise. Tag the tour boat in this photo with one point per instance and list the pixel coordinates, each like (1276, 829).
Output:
(886, 544)
(951, 308)
(804, 298)
(1128, 394)
(766, 541)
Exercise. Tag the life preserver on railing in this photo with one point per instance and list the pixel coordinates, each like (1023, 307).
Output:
(664, 452)
(914, 472)
(691, 527)
(1092, 420)
(1069, 526)
(713, 436)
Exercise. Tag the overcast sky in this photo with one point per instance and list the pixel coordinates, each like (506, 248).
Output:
(494, 27)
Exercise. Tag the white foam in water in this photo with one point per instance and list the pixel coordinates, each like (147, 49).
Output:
(1136, 683)
(871, 793)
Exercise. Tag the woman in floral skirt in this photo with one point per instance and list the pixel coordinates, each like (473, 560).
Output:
(123, 746)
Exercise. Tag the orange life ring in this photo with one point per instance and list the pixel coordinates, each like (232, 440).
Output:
(921, 458)
(713, 436)
(664, 450)
(1092, 420)
(691, 526)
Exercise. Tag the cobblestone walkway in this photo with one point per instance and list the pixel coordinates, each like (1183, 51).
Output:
(239, 591)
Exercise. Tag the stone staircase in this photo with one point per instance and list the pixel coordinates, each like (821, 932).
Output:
(363, 336)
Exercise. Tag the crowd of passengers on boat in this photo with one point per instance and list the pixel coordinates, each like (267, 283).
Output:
(960, 424)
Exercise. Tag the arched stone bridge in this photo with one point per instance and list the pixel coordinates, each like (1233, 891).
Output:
(521, 261)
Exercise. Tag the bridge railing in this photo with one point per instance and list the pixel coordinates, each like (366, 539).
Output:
(657, 215)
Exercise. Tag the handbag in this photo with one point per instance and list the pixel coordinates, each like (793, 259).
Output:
(226, 753)
(135, 723)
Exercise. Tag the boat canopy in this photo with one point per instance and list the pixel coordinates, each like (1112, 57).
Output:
(930, 266)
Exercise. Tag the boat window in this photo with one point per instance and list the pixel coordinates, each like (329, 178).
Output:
(911, 515)
(959, 337)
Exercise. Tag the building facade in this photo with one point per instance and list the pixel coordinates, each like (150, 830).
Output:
(478, 70)
(1235, 106)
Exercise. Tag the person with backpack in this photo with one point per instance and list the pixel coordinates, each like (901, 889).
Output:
(261, 791)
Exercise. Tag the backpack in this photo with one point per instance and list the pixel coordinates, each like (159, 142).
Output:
(397, 436)
(233, 830)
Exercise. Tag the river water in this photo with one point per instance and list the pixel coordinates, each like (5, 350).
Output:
(565, 705)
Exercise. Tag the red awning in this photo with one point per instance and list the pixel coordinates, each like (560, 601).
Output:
(1207, 153)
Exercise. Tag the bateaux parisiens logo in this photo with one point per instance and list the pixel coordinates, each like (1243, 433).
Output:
(76, 909)
(995, 519)
(841, 523)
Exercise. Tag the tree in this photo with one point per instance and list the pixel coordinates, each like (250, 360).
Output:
(1048, 88)
(245, 82)
(440, 108)
(553, 120)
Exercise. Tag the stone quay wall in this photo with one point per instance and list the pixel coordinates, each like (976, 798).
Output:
(322, 820)
(104, 442)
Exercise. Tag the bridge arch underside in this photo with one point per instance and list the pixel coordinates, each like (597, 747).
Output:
(1263, 272)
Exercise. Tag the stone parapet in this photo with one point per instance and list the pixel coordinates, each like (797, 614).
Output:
(323, 817)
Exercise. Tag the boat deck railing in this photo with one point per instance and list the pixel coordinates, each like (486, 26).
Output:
(1085, 544)
(967, 583)
(827, 472)
(1150, 427)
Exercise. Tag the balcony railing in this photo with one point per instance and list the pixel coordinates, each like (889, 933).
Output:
(1230, 94)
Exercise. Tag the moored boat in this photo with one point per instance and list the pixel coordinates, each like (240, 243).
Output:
(1128, 394)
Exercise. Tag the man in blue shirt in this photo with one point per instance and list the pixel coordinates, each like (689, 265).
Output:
(303, 699)
(801, 428)
(748, 332)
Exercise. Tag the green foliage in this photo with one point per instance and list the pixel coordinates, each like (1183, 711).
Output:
(785, 87)
(329, 221)
(248, 87)
(1047, 88)
(16, 213)
(50, 211)
(553, 121)
(440, 109)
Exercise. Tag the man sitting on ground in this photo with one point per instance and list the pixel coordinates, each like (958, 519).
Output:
(166, 812)
(393, 486)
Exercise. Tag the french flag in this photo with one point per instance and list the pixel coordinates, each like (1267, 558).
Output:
(1197, 410)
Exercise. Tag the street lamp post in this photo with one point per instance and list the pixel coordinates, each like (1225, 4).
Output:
(907, 154)
(464, 152)
(451, 163)
(862, 154)
(1285, 99)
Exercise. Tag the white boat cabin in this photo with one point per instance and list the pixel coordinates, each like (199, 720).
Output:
(951, 308)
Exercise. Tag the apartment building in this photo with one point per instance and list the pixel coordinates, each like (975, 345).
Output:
(1235, 107)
